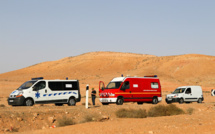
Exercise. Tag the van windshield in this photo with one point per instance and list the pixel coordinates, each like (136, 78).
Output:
(113, 85)
(179, 90)
(26, 85)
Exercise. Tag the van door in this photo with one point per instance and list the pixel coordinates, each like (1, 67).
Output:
(188, 95)
(126, 91)
(101, 86)
(39, 92)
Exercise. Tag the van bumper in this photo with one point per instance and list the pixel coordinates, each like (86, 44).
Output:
(107, 100)
(78, 99)
(16, 101)
(172, 100)
(159, 99)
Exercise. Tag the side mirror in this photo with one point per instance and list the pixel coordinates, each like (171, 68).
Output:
(102, 88)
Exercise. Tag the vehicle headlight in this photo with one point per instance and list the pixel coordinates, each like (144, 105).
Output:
(175, 96)
(19, 94)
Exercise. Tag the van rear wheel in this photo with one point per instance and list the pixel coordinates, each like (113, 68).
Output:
(119, 101)
(199, 100)
(72, 102)
(155, 100)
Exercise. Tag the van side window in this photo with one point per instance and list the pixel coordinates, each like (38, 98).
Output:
(188, 91)
(58, 86)
(126, 85)
(40, 85)
(154, 85)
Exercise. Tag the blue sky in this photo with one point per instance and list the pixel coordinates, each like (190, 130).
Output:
(32, 32)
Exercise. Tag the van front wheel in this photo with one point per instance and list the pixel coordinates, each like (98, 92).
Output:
(29, 102)
(168, 102)
(181, 101)
(119, 101)
(72, 102)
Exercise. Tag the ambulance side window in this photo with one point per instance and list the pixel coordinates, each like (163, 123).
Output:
(40, 85)
(59, 86)
(154, 85)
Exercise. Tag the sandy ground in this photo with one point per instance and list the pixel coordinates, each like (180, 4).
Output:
(39, 119)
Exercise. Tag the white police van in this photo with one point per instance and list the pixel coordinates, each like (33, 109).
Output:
(40, 91)
(186, 94)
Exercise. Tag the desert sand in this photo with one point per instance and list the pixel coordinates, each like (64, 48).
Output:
(90, 68)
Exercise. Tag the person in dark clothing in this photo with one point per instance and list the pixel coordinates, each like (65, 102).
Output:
(93, 95)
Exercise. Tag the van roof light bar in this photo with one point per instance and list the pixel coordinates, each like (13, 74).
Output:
(38, 78)
(151, 76)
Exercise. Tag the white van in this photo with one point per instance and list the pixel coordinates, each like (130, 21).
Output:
(186, 94)
(39, 91)
(212, 92)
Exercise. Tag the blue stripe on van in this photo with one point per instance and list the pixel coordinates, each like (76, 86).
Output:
(55, 94)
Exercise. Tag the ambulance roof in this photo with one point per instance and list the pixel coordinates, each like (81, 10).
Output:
(118, 79)
(122, 79)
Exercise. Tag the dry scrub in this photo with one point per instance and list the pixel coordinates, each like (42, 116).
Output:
(131, 113)
(190, 111)
(162, 110)
(65, 121)
(2, 105)
(159, 110)
(91, 118)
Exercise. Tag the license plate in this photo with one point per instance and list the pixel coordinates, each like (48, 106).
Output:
(10, 100)
(105, 100)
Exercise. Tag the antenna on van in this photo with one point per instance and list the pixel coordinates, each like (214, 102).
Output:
(38, 78)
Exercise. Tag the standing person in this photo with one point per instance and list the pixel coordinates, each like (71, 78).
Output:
(93, 95)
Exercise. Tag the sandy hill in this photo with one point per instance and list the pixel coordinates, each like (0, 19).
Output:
(90, 68)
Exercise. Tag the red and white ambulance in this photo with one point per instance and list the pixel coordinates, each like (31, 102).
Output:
(131, 89)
